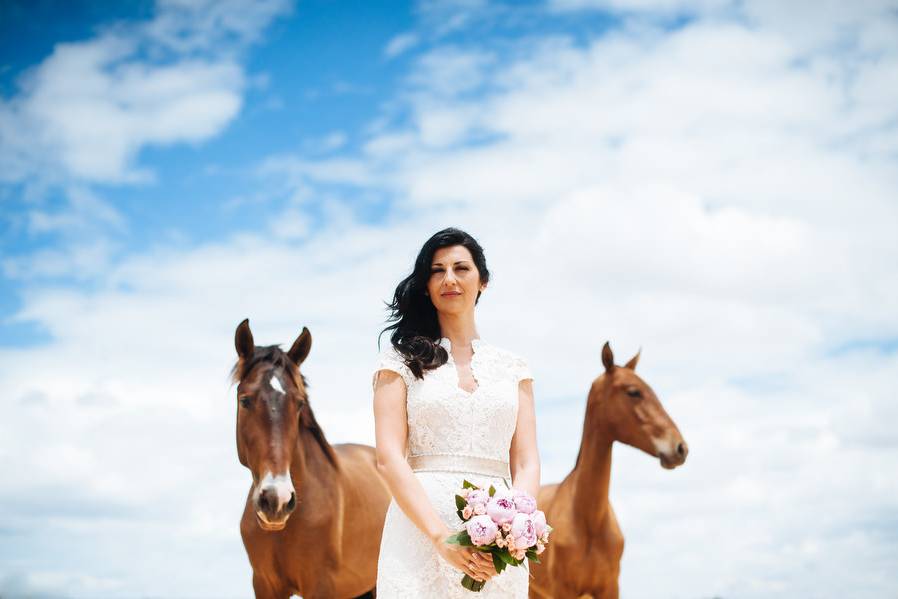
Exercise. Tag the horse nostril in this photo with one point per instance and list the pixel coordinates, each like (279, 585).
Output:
(292, 503)
(264, 501)
(682, 450)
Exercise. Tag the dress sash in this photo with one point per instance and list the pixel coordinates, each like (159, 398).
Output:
(459, 463)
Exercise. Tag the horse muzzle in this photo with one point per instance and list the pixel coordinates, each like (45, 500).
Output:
(274, 501)
(676, 456)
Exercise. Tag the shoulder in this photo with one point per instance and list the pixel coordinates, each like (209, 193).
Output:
(502, 352)
(512, 361)
(389, 358)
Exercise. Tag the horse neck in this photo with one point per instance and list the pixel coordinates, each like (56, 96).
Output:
(592, 474)
(312, 456)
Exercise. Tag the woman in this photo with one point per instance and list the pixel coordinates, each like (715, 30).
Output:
(448, 406)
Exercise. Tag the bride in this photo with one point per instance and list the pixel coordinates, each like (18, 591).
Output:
(448, 406)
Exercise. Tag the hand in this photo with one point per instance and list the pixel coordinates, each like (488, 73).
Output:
(476, 564)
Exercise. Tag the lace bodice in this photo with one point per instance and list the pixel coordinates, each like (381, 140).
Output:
(445, 419)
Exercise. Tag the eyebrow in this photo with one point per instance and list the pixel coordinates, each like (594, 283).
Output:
(457, 262)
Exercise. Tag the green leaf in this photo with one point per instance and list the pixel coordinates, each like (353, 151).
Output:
(468, 485)
(498, 563)
(460, 538)
(492, 490)
(460, 502)
(460, 515)
(531, 555)
(506, 557)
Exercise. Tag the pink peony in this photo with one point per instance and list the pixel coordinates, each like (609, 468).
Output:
(501, 507)
(539, 522)
(524, 502)
(482, 530)
(523, 531)
(477, 497)
(479, 509)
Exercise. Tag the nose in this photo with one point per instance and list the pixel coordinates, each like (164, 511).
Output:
(682, 451)
(275, 503)
(276, 498)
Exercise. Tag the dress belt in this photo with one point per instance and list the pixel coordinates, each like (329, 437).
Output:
(459, 463)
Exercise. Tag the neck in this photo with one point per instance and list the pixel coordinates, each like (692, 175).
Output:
(309, 459)
(459, 328)
(592, 474)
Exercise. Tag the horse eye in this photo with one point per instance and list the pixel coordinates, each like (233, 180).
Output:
(244, 401)
(633, 392)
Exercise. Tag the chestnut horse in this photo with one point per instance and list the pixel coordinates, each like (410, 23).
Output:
(582, 560)
(315, 512)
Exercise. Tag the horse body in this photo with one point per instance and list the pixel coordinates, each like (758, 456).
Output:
(316, 532)
(315, 555)
(586, 545)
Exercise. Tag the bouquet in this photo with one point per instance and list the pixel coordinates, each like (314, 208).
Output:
(504, 523)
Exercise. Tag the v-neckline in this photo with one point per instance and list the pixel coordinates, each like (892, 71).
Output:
(475, 346)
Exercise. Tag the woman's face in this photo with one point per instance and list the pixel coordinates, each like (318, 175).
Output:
(454, 280)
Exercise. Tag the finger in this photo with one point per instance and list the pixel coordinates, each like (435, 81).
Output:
(480, 569)
(473, 571)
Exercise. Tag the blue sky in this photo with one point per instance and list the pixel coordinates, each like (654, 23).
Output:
(713, 182)
(321, 72)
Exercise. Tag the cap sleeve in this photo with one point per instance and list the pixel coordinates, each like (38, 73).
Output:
(520, 369)
(390, 359)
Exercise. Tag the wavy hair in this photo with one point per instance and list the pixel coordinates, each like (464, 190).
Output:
(416, 329)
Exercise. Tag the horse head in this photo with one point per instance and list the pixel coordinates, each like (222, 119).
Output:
(271, 401)
(629, 411)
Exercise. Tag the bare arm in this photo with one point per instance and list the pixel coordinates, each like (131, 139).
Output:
(391, 432)
(524, 455)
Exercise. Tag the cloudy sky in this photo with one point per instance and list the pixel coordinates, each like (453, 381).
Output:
(715, 182)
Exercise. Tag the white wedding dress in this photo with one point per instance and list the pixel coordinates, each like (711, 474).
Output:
(464, 431)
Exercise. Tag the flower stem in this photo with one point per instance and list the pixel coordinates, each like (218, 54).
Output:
(471, 584)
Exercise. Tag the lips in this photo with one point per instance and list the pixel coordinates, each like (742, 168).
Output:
(265, 524)
(451, 293)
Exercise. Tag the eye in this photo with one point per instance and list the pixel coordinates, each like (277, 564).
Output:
(634, 392)
(244, 400)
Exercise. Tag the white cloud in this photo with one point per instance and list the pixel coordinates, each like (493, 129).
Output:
(83, 115)
(399, 44)
(91, 106)
(643, 7)
(213, 25)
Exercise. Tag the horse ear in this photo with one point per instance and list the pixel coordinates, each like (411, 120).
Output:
(243, 340)
(632, 363)
(301, 347)
(607, 357)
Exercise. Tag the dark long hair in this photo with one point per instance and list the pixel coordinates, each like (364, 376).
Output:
(416, 329)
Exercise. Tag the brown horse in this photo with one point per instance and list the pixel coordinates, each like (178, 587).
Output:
(582, 560)
(315, 512)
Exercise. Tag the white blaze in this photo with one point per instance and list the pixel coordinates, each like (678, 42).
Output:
(276, 384)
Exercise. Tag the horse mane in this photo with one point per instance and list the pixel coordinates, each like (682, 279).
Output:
(278, 358)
